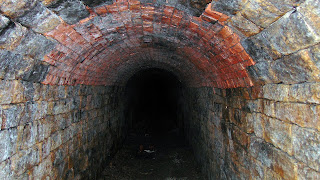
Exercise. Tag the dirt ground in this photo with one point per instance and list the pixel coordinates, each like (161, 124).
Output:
(159, 157)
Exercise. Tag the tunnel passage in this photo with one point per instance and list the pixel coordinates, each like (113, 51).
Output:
(153, 100)
(250, 71)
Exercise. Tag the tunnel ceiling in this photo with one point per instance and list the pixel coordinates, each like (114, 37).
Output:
(106, 42)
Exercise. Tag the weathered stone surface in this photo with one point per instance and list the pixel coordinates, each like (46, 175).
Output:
(279, 134)
(43, 170)
(6, 92)
(279, 92)
(27, 135)
(70, 11)
(310, 9)
(263, 13)
(13, 9)
(11, 37)
(245, 26)
(304, 172)
(261, 151)
(254, 105)
(256, 170)
(8, 143)
(4, 22)
(304, 92)
(5, 171)
(35, 46)
(258, 127)
(283, 165)
(12, 115)
(302, 114)
(40, 19)
(36, 74)
(12, 65)
(94, 3)
(291, 33)
(229, 7)
(269, 108)
(261, 72)
(296, 68)
(306, 146)
(24, 160)
(315, 52)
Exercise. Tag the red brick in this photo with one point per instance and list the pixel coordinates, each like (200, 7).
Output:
(236, 48)
(101, 10)
(166, 20)
(112, 8)
(168, 11)
(123, 6)
(225, 32)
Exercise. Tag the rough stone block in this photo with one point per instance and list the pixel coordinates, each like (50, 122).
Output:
(70, 11)
(254, 105)
(296, 68)
(6, 91)
(36, 74)
(304, 172)
(27, 135)
(40, 19)
(8, 143)
(302, 114)
(94, 3)
(306, 146)
(279, 134)
(256, 170)
(315, 53)
(278, 92)
(269, 108)
(283, 165)
(258, 120)
(12, 65)
(4, 22)
(24, 160)
(291, 33)
(261, 72)
(229, 7)
(11, 37)
(306, 92)
(56, 140)
(16, 8)
(263, 13)
(245, 26)
(310, 10)
(5, 171)
(35, 46)
(261, 151)
(12, 115)
(43, 170)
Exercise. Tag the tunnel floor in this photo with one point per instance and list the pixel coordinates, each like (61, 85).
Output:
(172, 159)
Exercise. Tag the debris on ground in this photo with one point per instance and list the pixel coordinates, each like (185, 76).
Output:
(146, 157)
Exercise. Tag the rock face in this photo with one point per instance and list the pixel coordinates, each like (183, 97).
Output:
(250, 71)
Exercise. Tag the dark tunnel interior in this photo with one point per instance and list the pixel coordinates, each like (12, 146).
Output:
(153, 101)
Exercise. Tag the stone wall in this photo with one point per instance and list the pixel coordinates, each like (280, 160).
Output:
(60, 132)
(269, 132)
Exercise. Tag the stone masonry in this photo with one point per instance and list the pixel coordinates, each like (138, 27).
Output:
(250, 71)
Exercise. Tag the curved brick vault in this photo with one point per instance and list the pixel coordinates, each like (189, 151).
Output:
(115, 39)
(251, 70)
(98, 49)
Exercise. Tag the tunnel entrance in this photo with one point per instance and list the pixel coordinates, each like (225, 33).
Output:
(155, 147)
(153, 101)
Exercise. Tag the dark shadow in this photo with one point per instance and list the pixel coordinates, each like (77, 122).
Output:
(153, 102)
